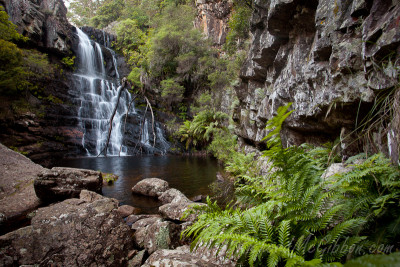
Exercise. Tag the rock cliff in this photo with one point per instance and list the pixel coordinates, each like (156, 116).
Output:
(212, 19)
(43, 21)
(331, 58)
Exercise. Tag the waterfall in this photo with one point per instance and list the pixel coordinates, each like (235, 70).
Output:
(145, 134)
(164, 144)
(98, 95)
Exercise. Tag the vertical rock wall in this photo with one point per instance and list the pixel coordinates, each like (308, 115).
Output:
(43, 21)
(330, 58)
(212, 19)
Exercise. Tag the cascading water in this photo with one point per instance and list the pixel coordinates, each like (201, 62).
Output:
(98, 95)
(144, 139)
(98, 98)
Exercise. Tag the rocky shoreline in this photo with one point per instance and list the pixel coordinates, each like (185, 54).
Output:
(72, 225)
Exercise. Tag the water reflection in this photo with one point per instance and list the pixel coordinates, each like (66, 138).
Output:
(191, 175)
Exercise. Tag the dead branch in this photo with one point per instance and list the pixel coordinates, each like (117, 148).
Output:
(152, 120)
(121, 88)
(126, 116)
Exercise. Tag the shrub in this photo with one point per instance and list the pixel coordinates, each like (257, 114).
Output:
(172, 91)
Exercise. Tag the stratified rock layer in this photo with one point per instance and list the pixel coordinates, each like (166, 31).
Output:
(330, 58)
(76, 232)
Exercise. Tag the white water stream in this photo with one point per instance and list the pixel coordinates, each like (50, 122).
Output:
(98, 97)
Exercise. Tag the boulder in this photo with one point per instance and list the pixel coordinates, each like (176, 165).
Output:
(126, 210)
(183, 257)
(137, 260)
(335, 168)
(153, 187)
(75, 232)
(154, 233)
(62, 183)
(173, 196)
(175, 211)
(198, 198)
(131, 219)
(17, 196)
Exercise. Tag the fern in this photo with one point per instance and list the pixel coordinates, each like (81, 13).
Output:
(292, 216)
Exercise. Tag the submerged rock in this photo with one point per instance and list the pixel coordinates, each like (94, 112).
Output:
(62, 183)
(153, 187)
(85, 232)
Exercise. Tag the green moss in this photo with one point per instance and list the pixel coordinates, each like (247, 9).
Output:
(54, 99)
(162, 238)
(109, 178)
(16, 149)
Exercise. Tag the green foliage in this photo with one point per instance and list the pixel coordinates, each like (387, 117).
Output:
(376, 260)
(80, 12)
(108, 12)
(134, 77)
(172, 91)
(16, 149)
(182, 111)
(54, 99)
(239, 26)
(129, 35)
(11, 71)
(203, 102)
(175, 46)
(109, 178)
(19, 69)
(8, 30)
(69, 62)
(295, 217)
(201, 130)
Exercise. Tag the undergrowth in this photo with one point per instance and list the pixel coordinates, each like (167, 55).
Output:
(295, 215)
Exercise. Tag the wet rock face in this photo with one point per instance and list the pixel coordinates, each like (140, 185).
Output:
(43, 21)
(102, 37)
(62, 183)
(320, 55)
(84, 232)
(212, 19)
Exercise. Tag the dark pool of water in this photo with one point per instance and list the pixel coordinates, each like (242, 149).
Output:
(191, 175)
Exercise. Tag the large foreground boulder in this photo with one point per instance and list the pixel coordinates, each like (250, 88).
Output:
(17, 196)
(152, 187)
(62, 183)
(76, 232)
